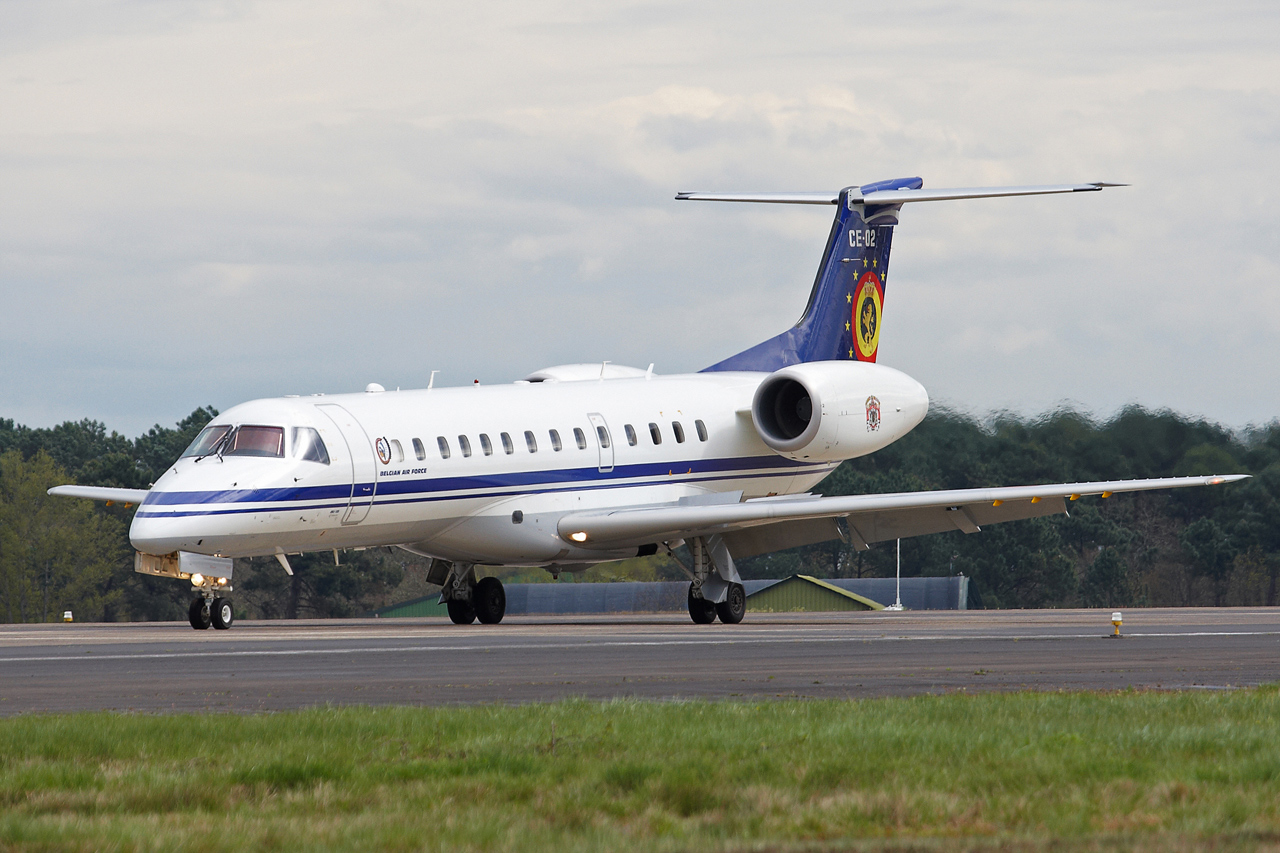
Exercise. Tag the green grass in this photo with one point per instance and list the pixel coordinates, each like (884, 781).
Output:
(1023, 771)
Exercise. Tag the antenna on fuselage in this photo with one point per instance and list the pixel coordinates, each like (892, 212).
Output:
(432, 380)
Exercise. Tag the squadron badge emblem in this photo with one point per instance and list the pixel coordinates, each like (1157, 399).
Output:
(873, 414)
(384, 451)
(867, 306)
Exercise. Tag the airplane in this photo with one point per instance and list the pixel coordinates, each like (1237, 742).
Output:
(580, 464)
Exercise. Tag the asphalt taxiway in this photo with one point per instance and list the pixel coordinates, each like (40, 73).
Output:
(255, 666)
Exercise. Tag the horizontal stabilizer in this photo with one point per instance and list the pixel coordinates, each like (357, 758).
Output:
(899, 196)
(101, 493)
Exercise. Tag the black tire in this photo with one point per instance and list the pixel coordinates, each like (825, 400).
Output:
(489, 600)
(223, 613)
(701, 611)
(734, 606)
(461, 612)
(199, 614)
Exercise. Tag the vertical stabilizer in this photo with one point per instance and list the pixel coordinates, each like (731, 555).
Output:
(842, 320)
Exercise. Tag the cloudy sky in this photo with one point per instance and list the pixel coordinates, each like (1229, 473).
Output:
(207, 202)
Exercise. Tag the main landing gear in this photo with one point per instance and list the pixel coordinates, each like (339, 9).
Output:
(715, 588)
(730, 611)
(205, 612)
(467, 598)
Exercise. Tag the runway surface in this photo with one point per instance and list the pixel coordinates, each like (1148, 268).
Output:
(255, 666)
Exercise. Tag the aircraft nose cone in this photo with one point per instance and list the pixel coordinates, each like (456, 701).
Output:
(148, 535)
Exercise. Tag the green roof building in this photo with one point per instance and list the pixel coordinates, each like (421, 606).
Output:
(802, 593)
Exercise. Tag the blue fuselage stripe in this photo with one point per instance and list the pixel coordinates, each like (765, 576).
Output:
(464, 488)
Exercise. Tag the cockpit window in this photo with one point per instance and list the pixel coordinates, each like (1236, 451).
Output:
(251, 440)
(309, 446)
(206, 440)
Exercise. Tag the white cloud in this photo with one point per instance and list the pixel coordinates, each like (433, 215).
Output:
(206, 202)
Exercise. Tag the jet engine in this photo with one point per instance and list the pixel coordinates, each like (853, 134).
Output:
(824, 411)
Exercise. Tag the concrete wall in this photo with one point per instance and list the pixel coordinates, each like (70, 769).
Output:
(552, 598)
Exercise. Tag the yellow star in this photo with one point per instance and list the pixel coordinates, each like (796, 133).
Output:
(873, 262)
(848, 297)
(850, 353)
(846, 325)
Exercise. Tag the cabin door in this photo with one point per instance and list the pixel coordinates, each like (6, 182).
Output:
(364, 475)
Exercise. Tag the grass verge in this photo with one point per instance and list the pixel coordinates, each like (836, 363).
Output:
(1031, 771)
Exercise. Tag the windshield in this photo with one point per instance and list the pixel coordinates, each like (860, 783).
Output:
(206, 441)
(255, 441)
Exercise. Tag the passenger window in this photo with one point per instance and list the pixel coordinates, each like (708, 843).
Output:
(255, 441)
(443, 444)
(206, 441)
(580, 437)
(486, 445)
(397, 449)
(631, 434)
(679, 431)
(702, 430)
(603, 435)
(530, 441)
(555, 441)
(308, 446)
(465, 444)
(507, 447)
(418, 450)
(655, 434)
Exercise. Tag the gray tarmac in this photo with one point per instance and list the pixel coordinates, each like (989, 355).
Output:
(260, 666)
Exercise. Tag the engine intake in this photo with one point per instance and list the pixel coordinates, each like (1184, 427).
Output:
(829, 410)
(783, 413)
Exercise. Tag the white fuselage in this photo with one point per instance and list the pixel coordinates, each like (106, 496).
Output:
(388, 480)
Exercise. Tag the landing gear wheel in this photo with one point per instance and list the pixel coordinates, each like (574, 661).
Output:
(702, 612)
(223, 614)
(734, 606)
(489, 600)
(461, 612)
(199, 614)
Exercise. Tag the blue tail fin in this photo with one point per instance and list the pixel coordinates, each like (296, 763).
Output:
(842, 319)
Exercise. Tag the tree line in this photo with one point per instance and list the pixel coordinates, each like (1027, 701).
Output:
(1202, 546)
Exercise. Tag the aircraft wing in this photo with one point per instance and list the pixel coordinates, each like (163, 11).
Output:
(101, 493)
(768, 524)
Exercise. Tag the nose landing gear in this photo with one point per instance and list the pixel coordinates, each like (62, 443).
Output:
(216, 612)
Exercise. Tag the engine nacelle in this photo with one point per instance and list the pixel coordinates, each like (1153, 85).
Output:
(822, 411)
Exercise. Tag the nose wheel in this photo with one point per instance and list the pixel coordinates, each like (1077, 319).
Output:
(200, 614)
(216, 612)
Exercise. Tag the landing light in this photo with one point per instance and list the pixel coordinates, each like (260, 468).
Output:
(197, 579)
(578, 537)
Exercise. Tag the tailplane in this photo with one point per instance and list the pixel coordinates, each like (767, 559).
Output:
(846, 306)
